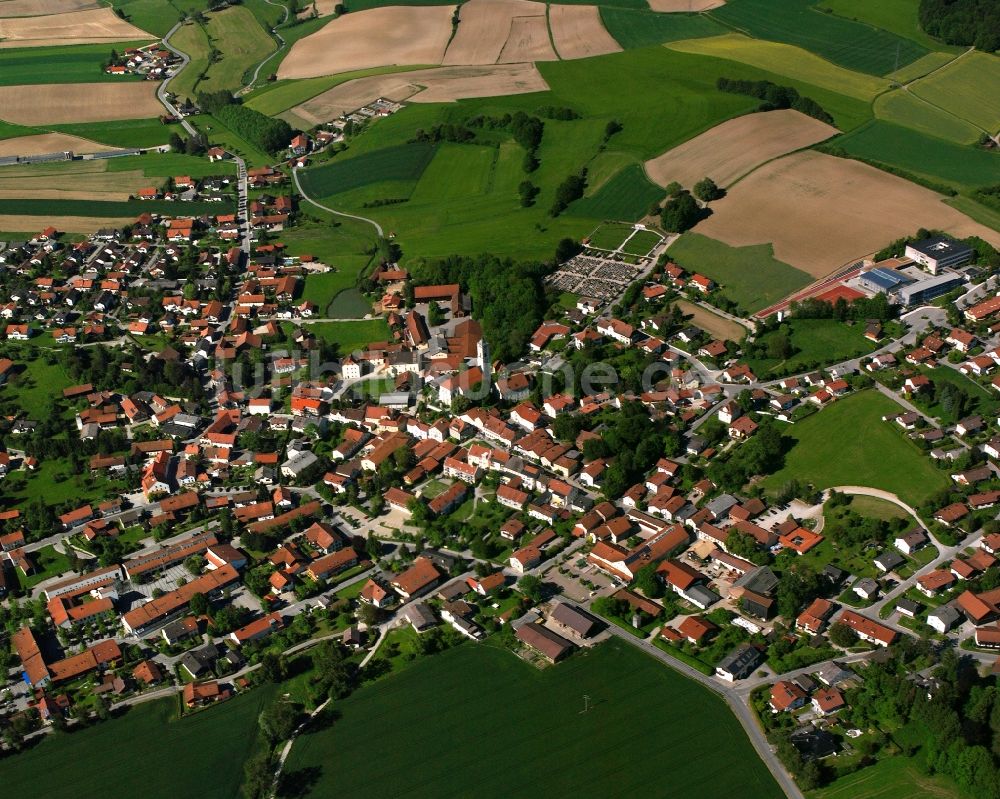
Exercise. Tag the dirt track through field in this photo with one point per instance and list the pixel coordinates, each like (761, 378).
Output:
(528, 41)
(48, 143)
(737, 146)
(669, 6)
(79, 27)
(579, 33)
(376, 37)
(822, 212)
(484, 28)
(38, 8)
(440, 85)
(57, 103)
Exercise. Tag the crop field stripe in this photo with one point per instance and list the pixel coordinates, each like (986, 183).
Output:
(909, 110)
(632, 27)
(944, 161)
(81, 63)
(403, 162)
(109, 209)
(854, 45)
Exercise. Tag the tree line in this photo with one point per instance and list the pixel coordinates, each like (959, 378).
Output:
(963, 22)
(773, 97)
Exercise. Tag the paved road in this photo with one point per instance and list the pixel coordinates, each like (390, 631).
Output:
(281, 46)
(307, 198)
(161, 90)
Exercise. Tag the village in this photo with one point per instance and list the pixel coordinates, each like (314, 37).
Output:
(256, 489)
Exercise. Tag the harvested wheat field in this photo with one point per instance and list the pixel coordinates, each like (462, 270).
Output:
(579, 32)
(717, 326)
(528, 41)
(56, 103)
(64, 224)
(484, 27)
(438, 85)
(48, 143)
(39, 8)
(822, 212)
(79, 27)
(70, 184)
(730, 150)
(377, 37)
(668, 6)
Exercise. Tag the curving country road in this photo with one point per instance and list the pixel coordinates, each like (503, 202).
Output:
(161, 90)
(307, 198)
(281, 46)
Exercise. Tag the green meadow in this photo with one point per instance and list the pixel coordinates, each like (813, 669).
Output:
(79, 63)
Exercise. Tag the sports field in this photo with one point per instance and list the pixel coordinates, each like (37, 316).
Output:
(850, 44)
(893, 778)
(201, 755)
(532, 721)
(787, 59)
(847, 443)
(969, 88)
(750, 276)
(941, 161)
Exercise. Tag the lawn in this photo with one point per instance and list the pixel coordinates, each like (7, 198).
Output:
(850, 44)
(242, 44)
(351, 335)
(536, 726)
(343, 244)
(969, 88)
(642, 242)
(876, 508)
(815, 343)
(610, 236)
(906, 109)
(893, 778)
(49, 563)
(640, 27)
(847, 443)
(405, 162)
(38, 385)
(199, 755)
(628, 195)
(80, 63)
(750, 276)
(895, 16)
(787, 59)
(54, 483)
(165, 165)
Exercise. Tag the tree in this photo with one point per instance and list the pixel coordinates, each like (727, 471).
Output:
(198, 604)
(680, 213)
(527, 191)
(373, 547)
(195, 564)
(648, 582)
(532, 587)
(277, 721)
(176, 143)
(842, 635)
(369, 615)
(258, 776)
(273, 667)
(706, 190)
